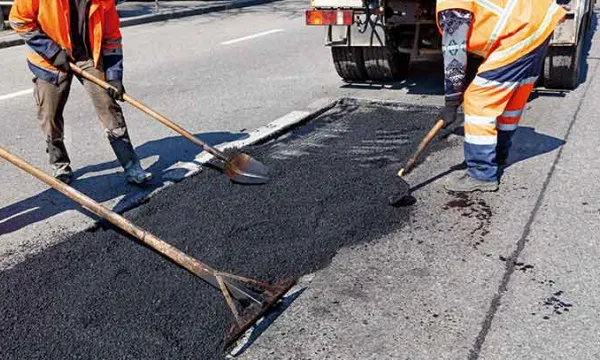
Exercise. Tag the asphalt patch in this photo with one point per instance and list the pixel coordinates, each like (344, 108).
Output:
(99, 294)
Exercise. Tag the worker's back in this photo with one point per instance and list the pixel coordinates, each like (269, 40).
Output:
(505, 30)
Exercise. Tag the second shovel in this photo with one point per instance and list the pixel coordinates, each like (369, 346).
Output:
(239, 167)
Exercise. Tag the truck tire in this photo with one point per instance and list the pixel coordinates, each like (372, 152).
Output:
(349, 63)
(383, 64)
(562, 63)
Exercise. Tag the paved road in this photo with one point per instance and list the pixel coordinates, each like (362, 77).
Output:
(215, 74)
(511, 275)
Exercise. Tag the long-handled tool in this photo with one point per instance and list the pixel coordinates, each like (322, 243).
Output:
(401, 196)
(240, 167)
(253, 298)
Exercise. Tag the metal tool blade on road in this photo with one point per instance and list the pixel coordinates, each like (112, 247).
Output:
(253, 297)
(240, 168)
(403, 197)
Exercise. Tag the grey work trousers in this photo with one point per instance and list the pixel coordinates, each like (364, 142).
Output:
(51, 100)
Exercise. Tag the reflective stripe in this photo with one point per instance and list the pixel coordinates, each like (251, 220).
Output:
(490, 6)
(512, 113)
(17, 25)
(529, 80)
(115, 51)
(507, 127)
(486, 83)
(28, 35)
(500, 24)
(112, 42)
(500, 54)
(481, 140)
(480, 120)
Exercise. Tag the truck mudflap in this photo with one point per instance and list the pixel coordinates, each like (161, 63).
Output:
(364, 33)
(567, 32)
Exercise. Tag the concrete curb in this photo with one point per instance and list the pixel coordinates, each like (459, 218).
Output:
(257, 136)
(15, 40)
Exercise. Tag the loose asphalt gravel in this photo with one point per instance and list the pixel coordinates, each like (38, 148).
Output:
(100, 295)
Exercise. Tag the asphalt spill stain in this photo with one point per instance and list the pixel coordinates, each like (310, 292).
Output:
(473, 208)
(557, 305)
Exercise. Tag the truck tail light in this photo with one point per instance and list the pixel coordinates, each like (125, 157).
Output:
(329, 17)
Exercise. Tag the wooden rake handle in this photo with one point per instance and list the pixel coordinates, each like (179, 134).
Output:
(410, 164)
(161, 118)
(187, 262)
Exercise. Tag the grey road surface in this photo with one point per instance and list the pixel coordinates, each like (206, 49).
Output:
(510, 275)
(214, 74)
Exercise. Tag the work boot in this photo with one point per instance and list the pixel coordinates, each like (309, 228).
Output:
(136, 175)
(59, 159)
(463, 182)
(128, 159)
(62, 173)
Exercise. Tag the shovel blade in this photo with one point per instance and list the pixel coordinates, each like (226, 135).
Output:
(242, 168)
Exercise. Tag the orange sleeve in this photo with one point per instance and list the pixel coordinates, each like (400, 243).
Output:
(23, 15)
(23, 19)
(111, 38)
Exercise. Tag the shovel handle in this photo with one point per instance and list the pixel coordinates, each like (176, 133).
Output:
(161, 118)
(410, 164)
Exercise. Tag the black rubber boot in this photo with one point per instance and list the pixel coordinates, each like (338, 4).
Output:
(128, 158)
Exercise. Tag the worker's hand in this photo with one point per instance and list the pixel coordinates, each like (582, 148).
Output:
(120, 90)
(449, 114)
(61, 61)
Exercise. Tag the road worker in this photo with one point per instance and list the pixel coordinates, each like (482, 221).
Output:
(512, 37)
(87, 33)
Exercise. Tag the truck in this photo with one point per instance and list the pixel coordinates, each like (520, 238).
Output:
(380, 40)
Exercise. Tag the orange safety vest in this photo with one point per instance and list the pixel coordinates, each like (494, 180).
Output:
(504, 30)
(51, 17)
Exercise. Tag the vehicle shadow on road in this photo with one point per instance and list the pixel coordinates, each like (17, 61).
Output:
(107, 186)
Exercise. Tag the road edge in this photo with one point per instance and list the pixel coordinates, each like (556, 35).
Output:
(15, 40)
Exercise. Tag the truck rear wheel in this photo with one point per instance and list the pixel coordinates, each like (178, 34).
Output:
(562, 64)
(349, 63)
(384, 64)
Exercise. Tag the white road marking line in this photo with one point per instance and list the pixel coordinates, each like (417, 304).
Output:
(15, 94)
(229, 42)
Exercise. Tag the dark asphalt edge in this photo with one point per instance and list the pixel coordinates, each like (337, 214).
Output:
(15, 40)
(268, 136)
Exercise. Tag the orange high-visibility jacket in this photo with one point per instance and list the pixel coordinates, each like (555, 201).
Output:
(45, 26)
(504, 30)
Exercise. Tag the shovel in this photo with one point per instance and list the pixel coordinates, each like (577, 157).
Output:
(240, 168)
(403, 196)
(250, 296)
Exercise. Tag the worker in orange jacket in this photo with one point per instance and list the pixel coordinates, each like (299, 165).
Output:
(512, 36)
(85, 32)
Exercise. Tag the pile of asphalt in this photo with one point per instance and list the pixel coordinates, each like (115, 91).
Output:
(99, 294)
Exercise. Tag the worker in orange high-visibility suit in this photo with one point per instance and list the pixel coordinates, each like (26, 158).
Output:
(512, 36)
(87, 33)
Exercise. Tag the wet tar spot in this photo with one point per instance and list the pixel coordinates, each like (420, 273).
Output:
(556, 305)
(476, 209)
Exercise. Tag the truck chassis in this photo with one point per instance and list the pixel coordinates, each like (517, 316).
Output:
(379, 40)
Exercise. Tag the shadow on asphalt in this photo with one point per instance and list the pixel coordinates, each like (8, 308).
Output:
(526, 144)
(109, 186)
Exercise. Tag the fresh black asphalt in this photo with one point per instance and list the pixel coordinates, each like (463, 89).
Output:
(100, 295)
